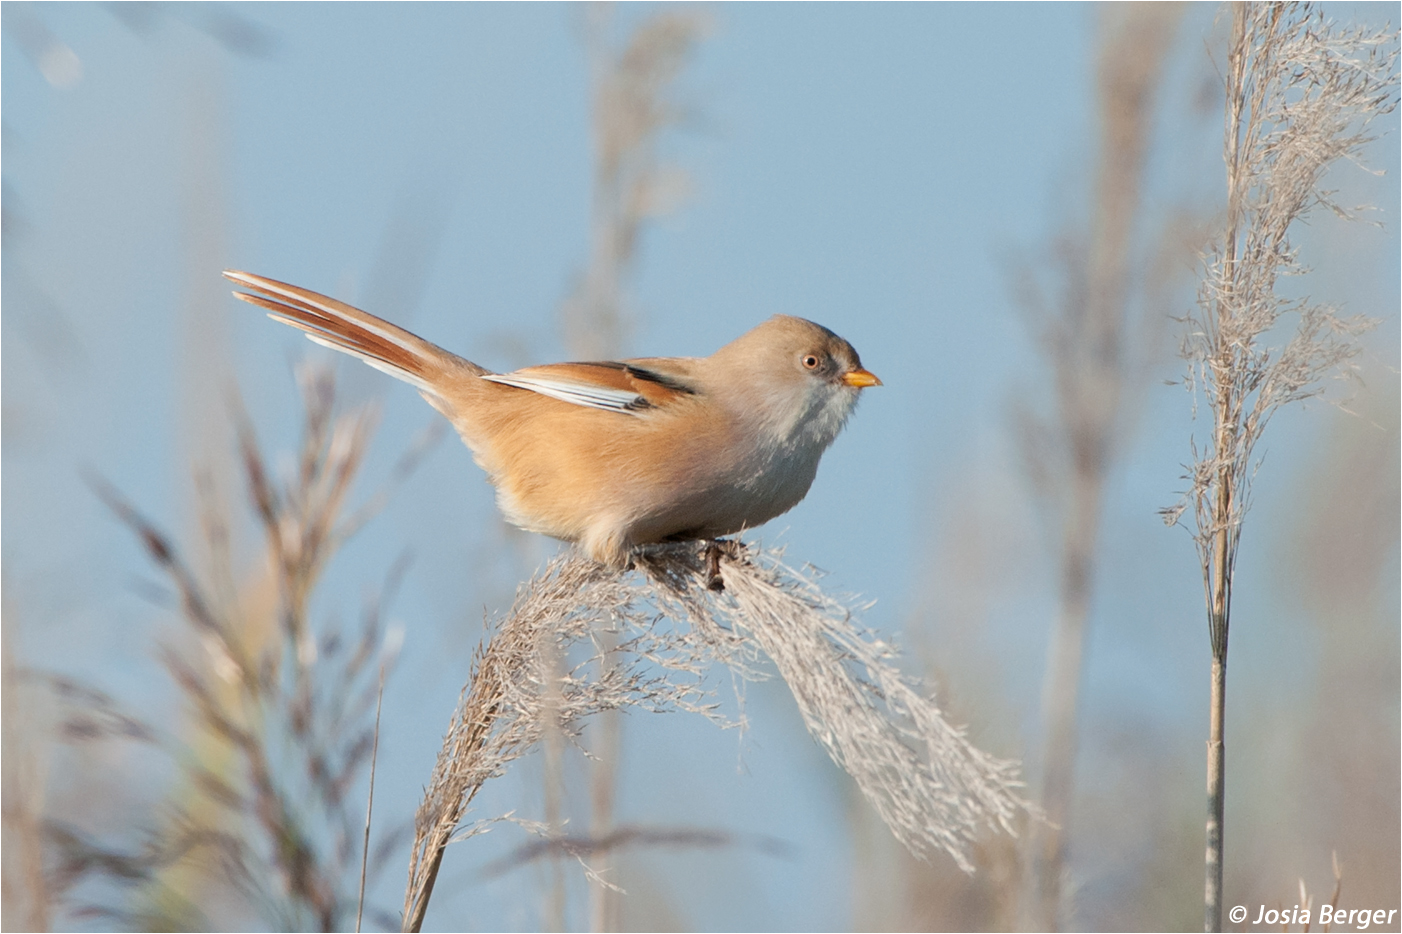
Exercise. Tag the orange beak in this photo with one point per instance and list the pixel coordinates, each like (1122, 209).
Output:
(861, 379)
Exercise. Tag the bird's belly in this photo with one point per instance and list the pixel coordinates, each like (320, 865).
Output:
(574, 485)
(743, 499)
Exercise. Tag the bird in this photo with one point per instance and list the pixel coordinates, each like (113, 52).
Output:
(617, 454)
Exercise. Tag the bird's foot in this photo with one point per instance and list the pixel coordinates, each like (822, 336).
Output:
(714, 550)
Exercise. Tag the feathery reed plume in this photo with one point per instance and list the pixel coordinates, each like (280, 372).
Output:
(1300, 95)
(933, 788)
(1095, 338)
(515, 697)
(278, 706)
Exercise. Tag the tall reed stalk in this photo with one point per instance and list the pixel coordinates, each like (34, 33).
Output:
(1300, 95)
(1094, 337)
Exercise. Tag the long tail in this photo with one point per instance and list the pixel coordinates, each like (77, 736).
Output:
(345, 328)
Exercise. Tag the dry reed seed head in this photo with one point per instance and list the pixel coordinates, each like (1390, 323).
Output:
(934, 789)
(931, 786)
(1301, 95)
(506, 707)
(289, 746)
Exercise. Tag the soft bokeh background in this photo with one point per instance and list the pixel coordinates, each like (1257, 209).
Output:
(881, 169)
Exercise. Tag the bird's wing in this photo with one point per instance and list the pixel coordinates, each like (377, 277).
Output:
(615, 386)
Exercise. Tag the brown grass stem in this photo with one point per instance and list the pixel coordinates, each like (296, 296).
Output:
(369, 803)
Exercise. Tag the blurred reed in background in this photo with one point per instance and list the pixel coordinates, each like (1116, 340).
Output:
(1097, 310)
(256, 827)
(635, 105)
(1112, 293)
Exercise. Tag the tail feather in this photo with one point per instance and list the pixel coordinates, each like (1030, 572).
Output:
(343, 327)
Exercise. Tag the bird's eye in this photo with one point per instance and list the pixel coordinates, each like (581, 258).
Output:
(810, 361)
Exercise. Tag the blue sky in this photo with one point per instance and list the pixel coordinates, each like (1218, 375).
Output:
(871, 167)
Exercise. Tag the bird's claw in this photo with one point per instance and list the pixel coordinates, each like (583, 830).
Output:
(714, 550)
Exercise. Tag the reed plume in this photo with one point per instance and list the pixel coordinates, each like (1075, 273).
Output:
(1301, 93)
(935, 789)
(279, 708)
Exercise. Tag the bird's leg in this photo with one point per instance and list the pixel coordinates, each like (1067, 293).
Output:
(713, 581)
(715, 548)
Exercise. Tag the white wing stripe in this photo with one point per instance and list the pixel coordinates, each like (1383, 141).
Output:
(594, 397)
